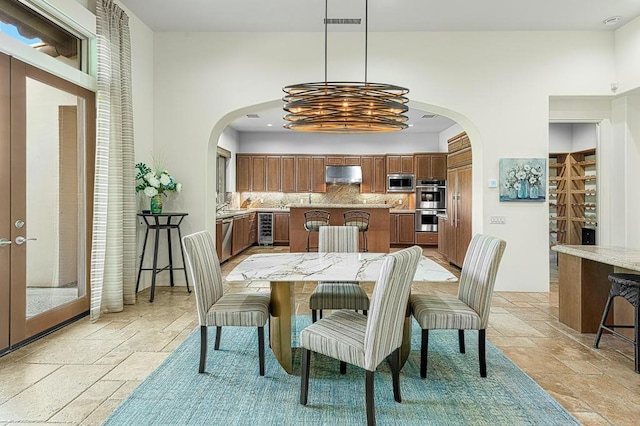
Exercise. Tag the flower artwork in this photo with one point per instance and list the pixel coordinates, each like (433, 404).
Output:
(154, 184)
(523, 179)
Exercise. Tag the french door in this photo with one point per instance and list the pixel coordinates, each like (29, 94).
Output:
(47, 136)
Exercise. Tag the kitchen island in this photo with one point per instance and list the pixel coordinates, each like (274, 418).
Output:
(584, 287)
(377, 235)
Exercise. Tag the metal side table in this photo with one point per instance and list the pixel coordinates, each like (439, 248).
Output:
(158, 222)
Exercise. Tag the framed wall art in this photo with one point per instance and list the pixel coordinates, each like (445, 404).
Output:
(523, 179)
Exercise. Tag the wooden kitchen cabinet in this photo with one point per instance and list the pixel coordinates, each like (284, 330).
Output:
(334, 160)
(281, 228)
(399, 164)
(273, 173)
(239, 234)
(288, 173)
(303, 173)
(351, 160)
(219, 239)
(317, 177)
(373, 175)
(427, 238)
(243, 172)
(430, 166)
(258, 173)
(401, 228)
(252, 237)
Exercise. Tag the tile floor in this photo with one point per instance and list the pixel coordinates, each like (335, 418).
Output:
(81, 373)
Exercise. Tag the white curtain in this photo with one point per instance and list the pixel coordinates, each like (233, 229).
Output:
(113, 254)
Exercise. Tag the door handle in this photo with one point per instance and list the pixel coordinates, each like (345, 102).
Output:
(21, 240)
(4, 242)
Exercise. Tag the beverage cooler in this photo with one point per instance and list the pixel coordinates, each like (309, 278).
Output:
(265, 229)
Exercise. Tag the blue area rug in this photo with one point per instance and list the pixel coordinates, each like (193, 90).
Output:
(231, 392)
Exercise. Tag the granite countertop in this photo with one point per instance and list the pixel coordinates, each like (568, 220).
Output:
(341, 206)
(402, 211)
(617, 256)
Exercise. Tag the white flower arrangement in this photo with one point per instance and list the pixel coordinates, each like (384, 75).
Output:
(155, 183)
(523, 172)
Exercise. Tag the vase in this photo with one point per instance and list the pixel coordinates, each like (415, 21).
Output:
(533, 192)
(156, 204)
(523, 191)
(512, 194)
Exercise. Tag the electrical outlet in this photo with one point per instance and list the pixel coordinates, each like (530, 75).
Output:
(399, 201)
(498, 220)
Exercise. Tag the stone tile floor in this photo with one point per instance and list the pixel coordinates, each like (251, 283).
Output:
(81, 373)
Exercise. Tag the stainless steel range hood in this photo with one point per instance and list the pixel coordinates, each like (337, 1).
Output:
(343, 174)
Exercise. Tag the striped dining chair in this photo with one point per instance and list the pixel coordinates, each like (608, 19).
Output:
(365, 341)
(214, 307)
(469, 310)
(338, 295)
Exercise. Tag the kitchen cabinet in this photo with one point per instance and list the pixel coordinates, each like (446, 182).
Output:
(258, 173)
(281, 228)
(303, 173)
(401, 228)
(243, 172)
(351, 160)
(334, 160)
(239, 232)
(427, 238)
(288, 173)
(252, 237)
(430, 166)
(454, 231)
(219, 239)
(373, 175)
(399, 164)
(273, 173)
(317, 173)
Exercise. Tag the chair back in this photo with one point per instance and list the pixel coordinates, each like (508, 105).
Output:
(338, 239)
(478, 274)
(357, 218)
(205, 271)
(388, 306)
(314, 219)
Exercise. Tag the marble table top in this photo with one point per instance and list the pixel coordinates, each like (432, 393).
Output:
(326, 267)
(617, 256)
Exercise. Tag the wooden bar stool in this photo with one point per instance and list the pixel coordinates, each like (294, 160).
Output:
(359, 219)
(313, 220)
(627, 286)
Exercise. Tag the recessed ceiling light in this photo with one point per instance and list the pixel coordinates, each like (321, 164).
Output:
(410, 125)
(612, 20)
(269, 125)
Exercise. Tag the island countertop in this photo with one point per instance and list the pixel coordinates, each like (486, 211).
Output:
(617, 256)
(341, 206)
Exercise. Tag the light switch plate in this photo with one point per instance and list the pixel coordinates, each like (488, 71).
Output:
(498, 220)
(493, 183)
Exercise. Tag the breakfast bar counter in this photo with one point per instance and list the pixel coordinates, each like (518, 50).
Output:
(584, 284)
(377, 235)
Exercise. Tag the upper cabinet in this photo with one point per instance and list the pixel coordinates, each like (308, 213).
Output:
(243, 172)
(258, 170)
(399, 164)
(430, 166)
(274, 177)
(373, 174)
(288, 173)
(317, 174)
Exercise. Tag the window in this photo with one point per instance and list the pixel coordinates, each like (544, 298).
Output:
(221, 177)
(29, 27)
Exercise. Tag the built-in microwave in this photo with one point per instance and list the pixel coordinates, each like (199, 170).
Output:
(400, 183)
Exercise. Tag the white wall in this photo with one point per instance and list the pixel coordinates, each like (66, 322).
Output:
(445, 135)
(572, 137)
(318, 143)
(495, 85)
(627, 59)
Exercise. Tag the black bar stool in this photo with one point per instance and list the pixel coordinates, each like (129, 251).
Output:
(313, 220)
(627, 286)
(159, 222)
(359, 219)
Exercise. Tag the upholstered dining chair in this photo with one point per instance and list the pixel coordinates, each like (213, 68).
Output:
(365, 341)
(313, 220)
(214, 307)
(338, 295)
(469, 310)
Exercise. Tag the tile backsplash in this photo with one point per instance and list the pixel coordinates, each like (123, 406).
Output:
(336, 194)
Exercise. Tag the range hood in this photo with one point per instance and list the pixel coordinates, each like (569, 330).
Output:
(343, 174)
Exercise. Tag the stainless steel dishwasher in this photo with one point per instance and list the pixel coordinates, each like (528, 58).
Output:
(227, 237)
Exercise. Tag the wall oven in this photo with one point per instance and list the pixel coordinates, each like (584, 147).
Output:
(431, 194)
(427, 220)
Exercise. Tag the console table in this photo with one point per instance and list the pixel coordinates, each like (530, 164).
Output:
(584, 285)
(158, 222)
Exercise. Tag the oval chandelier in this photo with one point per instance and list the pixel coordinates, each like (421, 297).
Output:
(345, 106)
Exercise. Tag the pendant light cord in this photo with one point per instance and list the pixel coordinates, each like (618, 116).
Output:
(326, 21)
(366, 36)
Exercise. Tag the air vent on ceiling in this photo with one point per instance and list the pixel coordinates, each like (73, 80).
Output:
(342, 21)
(429, 116)
(253, 116)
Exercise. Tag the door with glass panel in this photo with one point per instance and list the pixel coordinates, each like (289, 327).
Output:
(46, 176)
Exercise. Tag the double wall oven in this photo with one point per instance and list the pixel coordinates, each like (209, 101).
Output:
(431, 201)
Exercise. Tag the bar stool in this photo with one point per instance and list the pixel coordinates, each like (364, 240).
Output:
(627, 286)
(313, 220)
(359, 219)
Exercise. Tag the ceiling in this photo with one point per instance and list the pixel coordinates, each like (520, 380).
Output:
(384, 15)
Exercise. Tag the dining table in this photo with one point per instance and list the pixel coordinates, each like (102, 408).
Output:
(283, 270)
